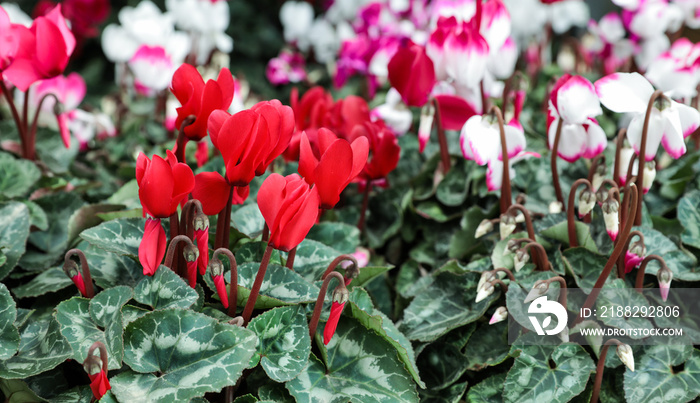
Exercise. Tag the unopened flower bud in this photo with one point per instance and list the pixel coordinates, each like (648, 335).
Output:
(485, 226)
(70, 268)
(626, 154)
(507, 225)
(216, 268)
(427, 114)
(586, 202)
(624, 351)
(92, 365)
(484, 291)
(602, 195)
(539, 289)
(191, 253)
(486, 277)
(662, 103)
(520, 259)
(499, 316)
(519, 217)
(610, 216)
(340, 295)
(555, 207)
(598, 177)
(201, 222)
(649, 175)
(638, 248)
(665, 276)
(511, 247)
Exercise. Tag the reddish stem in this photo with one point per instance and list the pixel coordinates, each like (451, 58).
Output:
(506, 196)
(642, 156)
(319, 300)
(553, 161)
(620, 142)
(600, 368)
(290, 258)
(181, 141)
(253, 297)
(442, 138)
(570, 219)
(639, 282)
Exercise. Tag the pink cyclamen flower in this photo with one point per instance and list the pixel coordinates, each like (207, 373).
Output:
(669, 123)
(573, 100)
(9, 40)
(286, 68)
(43, 52)
(69, 90)
(466, 54)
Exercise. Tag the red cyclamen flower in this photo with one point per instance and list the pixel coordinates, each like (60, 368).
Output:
(332, 324)
(163, 185)
(331, 163)
(221, 289)
(99, 383)
(200, 99)
(384, 148)
(412, 73)
(43, 52)
(9, 40)
(290, 209)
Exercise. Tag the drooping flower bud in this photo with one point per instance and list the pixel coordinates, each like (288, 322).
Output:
(624, 351)
(427, 115)
(586, 202)
(71, 270)
(507, 225)
(598, 176)
(201, 235)
(499, 316)
(340, 297)
(511, 247)
(539, 289)
(216, 268)
(191, 254)
(649, 175)
(665, 277)
(486, 277)
(610, 216)
(634, 256)
(555, 207)
(484, 291)
(485, 226)
(520, 259)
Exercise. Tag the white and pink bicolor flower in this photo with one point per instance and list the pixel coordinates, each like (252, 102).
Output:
(574, 101)
(153, 69)
(481, 142)
(669, 122)
(466, 54)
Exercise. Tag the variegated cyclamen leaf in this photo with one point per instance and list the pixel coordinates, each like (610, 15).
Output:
(664, 373)
(58, 208)
(363, 310)
(489, 390)
(110, 269)
(192, 353)
(106, 312)
(248, 220)
(51, 280)
(446, 304)
(42, 348)
(165, 289)
(344, 238)
(121, 236)
(358, 369)
(283, 342)
(312, 258)
(9, 334)
(683, 264)
(279, 283)
(17, 176)
(452, 394)
(81, 331)
(533, 379)
(488, 346)
(14, 231)
(559, 232)
(689, 216)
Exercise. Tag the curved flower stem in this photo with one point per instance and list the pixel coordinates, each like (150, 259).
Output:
(597, 161)
(442, 139)
(351, 271)
(175, 246)
(250, 304)
(233, 284)
(174, 233)
(621, 259)
(223, 223)
(506, 196)
(600, 367)
(642, 156)
(504, 286)
(181, 141)
(614, 193)
(563, 288)
(15, 115)
(290, 258)
(622, 240)
(31, 133)
(508, 273)
(103, 354)
(365, 204)
(639, 282)
(84, 268)
(620, 142)
(570, 219)
(553, 162)
(546, 266)
(190, 210)
(313, 324)
(625, 190)
(528, 225)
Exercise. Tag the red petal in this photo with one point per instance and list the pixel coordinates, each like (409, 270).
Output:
(332, 324)
(270, 197)
(202, 154)
(412, 73)
(156, 182)
(63, 129)
(295, 230)
(202, 237)
(333, 172)
(324, 139)
(187, 84)
(192, 273)
(212, 99)
(307, 160)
(80, 283)
(221, 289)
(51, 54)
(183, 185)
(454, 111)
(100, 385)
(152, 247)
(227, 87)
(212, 190)
(360, 153)
(215, 123)
(240, 194)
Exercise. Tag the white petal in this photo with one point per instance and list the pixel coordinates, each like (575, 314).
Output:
(483, 140)
(689, 118)
(515, 141)
(624, 92)
(673, 139)
(654, 133)
(494, 175)
(572, 141)
(117, 45)
(577, 101)
(597, 141)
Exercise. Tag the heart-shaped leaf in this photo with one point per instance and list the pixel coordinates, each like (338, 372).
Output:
(14, 231)
(489, 390)
(248, 220)
(344, 238)
(683, 265)
(358, 369)
(313, 258)
(121, 236)
(17, 176)
(51, 280)
(58, 207)
(192, 353)
(283, 342)
(9, 334)
(689, 217)
(106, 312)
(665, 373)
(165, 289)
